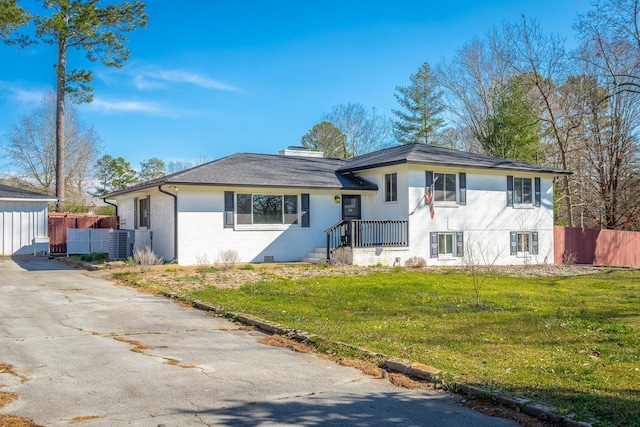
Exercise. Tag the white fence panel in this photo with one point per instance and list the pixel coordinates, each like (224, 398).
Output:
(86, 240)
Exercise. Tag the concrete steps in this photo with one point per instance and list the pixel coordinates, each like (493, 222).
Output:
(318, 256)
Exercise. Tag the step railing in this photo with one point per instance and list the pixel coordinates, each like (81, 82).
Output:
(367, 233)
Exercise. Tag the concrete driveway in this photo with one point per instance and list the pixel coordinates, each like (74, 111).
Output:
(85, 352)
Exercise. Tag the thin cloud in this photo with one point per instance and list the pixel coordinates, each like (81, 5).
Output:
(159, 79)
(139, 107)
(24, 97)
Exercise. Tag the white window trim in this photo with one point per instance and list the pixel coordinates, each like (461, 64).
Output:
(384, 183)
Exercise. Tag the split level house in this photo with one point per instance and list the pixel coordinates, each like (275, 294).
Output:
(448, 207)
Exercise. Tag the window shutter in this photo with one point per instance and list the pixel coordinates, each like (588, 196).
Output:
(428, 183)
(459, 244)
(537, 189)
(228, 209)
(149, 211)
(509, 190)
(514, 243)
(462, 177)
(304, 202)
(434, 245)
(135, 213)
(534, 243)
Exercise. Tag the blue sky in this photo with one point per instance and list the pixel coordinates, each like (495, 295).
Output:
(209, 78)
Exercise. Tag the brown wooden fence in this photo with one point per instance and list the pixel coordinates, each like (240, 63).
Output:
(597, 247)
(59, 222)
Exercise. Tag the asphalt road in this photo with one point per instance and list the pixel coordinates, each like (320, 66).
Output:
(88, 353)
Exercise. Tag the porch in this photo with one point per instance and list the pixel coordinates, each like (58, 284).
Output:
(364, 241)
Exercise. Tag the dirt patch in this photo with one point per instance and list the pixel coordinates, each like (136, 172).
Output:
(280, 341)
(495, 410)
(7, 397)
(82, 419)
(367, 368)
(11, 421)
(138, 347)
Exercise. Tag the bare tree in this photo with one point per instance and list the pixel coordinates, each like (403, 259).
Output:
(364, 130)
(30, 146)
(469, 80)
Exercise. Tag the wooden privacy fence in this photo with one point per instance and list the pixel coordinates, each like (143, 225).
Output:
(597, 247)
(59, 222)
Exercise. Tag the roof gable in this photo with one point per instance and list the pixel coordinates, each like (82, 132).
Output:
(13, 193)
(434, 155)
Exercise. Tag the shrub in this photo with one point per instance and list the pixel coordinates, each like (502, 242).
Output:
(145, 256)
(415, 262)
(228, 259)
(569, 258)
(95, 257)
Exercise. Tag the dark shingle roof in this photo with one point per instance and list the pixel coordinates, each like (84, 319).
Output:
(267, 170)
(440, 156)
(7, 192)
(264, 170)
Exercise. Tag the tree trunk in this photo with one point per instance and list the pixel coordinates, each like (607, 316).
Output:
(60, 142)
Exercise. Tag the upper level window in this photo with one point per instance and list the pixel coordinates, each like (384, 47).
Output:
(444, 187)
(523, 191)
(267, 209)
(391, 187)
(447, 187)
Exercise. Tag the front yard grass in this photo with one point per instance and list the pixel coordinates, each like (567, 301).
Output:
(572, 342)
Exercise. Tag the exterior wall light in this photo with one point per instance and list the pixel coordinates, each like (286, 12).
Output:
(336, 199)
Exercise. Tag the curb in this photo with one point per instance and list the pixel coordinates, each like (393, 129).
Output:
(414, 370)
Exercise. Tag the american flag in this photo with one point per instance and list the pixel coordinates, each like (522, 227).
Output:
(428, 197)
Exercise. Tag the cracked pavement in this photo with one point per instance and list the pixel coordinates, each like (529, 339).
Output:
(111, 356)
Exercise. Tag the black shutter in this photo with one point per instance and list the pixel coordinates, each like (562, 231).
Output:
(509, 190)
(537, 189)
(428, 184)
(514, 243)
(462, 177)
(304, 202)
(434, 245)
(459, 244)
(534, 243)
(228, 209)
(135, 213)
(149, 211)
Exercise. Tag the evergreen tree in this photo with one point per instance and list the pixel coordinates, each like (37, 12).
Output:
(152, 168)
(512, 131)
(113, 174)
(96, 27)
(420, 120)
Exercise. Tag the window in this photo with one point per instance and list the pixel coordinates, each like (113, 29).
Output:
(523, 191)
(524, 243)
(267, 209)
(142, 212)
(447, 244)
(391, 187)
(444, 187)
(447, 187)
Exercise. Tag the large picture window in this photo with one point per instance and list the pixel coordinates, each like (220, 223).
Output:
(267, 209)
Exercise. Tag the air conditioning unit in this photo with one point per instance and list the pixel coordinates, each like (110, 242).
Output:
(121, 243)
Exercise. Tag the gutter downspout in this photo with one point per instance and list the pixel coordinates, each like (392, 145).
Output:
(175, 221)
(112, 204)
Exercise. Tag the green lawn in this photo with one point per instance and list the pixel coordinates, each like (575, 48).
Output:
(572, 342)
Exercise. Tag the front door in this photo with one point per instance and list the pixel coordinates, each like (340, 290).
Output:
(351, 206)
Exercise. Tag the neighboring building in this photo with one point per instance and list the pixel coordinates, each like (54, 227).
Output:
(370, 209)
(23, 221)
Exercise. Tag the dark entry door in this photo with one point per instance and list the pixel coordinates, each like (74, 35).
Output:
(351, 206)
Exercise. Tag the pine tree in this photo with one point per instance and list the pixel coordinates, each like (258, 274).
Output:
(420, 119)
